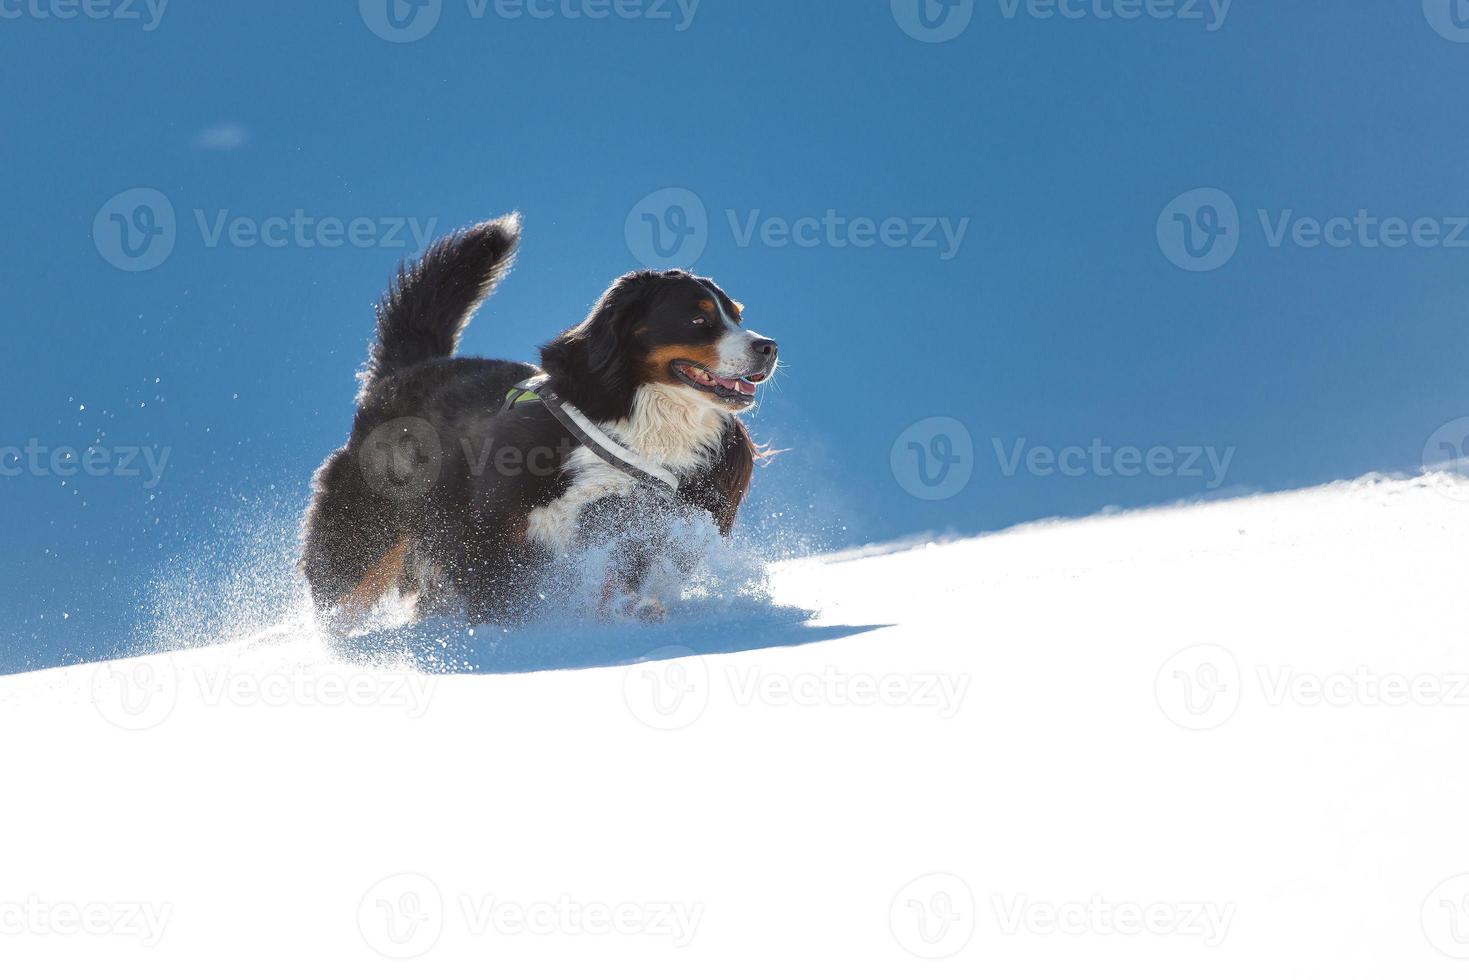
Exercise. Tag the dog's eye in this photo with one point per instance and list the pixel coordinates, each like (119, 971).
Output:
(699, 321)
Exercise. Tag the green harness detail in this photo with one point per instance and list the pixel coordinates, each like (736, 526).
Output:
(519, 396)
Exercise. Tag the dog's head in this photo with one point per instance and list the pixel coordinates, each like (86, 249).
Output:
(660, 328)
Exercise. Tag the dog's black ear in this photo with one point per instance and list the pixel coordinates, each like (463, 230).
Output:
(590, 360)
(607, 329)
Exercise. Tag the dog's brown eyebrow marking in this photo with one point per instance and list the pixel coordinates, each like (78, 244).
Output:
(736, 308)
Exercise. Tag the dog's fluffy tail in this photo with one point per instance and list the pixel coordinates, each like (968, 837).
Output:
(427, 305)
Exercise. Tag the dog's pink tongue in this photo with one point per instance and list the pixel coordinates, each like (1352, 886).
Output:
(745, 388)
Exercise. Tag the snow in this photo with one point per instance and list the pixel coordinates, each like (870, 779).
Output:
(1213, 740)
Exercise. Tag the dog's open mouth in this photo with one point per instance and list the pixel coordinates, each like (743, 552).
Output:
(741, 390)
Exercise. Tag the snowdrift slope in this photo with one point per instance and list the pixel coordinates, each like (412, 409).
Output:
(1209, 741)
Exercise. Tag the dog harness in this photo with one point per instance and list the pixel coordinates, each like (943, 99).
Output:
(593, 437)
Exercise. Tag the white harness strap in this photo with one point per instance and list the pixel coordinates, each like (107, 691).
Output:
(594, 437)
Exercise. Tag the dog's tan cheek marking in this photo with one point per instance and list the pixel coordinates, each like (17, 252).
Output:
(656, 365)
(377, 581)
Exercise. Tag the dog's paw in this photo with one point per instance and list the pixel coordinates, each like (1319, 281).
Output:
(631, 608)
(648, 610)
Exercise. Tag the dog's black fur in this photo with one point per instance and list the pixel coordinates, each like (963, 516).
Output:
(433, 490)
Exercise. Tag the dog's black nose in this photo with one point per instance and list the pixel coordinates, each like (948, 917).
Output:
(765, 347)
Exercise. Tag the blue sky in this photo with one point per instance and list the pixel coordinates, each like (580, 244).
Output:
(1217, 246)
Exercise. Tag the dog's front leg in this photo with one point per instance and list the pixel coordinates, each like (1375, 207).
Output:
(638, 531)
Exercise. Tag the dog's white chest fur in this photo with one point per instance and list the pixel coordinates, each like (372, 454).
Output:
(676, 428)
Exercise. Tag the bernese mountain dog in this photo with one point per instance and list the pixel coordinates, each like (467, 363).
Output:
(464, 478)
